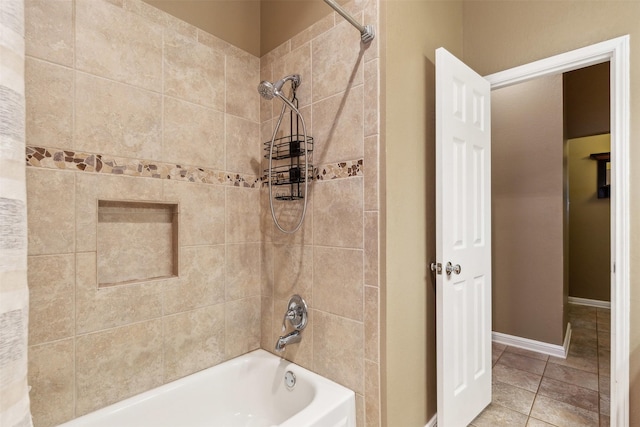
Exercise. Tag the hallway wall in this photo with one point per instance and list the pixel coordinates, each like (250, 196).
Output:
(528, 210)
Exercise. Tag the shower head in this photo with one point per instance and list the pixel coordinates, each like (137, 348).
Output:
(268, 90)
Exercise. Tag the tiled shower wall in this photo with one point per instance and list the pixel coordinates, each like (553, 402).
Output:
(117, 109)
(127, 103)
(333, 260)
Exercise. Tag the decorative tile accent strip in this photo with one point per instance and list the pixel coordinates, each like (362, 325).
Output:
(87, 162)
(340, 170)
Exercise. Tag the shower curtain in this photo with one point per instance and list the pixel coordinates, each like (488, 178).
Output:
(14, 293)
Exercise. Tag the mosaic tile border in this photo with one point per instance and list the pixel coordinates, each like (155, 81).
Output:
(339, 170)
(53, 158)
(97, 163)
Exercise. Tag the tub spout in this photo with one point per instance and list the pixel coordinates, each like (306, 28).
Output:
(290, 338)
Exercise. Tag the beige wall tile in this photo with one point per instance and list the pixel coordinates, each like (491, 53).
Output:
(103, 308)
(372, 393)
(193, 71)
(372, 17)
(371, 230)
(193, 341)
(50, 211)
(134, 251)
(49, 104)
(337, 65)
(242, 271)
(371, 323)
(371, 98)
(266, 269)
(266, 106)
(51, 377)
(118, 363)
(193, 135)
(120, 45)
(360, 410)
(51, 297)
(288, 214)
(92, 187)
(338, 344)
(313, 31)
(49, 30)
(243, 77)
(338, 215)
(293, 271)
(140, 7)
(337, 286)
(202, 208)
(113, 118)
(371, 173)
(201, 280)
(243, 150)
(267, 335)
(298, 61)
(242, 326)
(338, 127)
(242, 222)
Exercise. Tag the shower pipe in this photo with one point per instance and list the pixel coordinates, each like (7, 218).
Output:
(367, 32)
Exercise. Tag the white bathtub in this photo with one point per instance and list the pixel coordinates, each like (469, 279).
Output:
(248, 391)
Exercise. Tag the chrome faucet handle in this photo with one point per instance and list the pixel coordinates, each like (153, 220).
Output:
(296, 313)
(291, 315)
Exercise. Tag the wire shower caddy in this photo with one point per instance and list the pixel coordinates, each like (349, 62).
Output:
(289, 151)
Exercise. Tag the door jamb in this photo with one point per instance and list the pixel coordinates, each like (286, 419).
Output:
(617, 52)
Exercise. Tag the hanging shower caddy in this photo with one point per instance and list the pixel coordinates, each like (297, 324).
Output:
(288, 151)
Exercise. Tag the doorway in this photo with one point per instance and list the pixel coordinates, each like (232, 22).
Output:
(617, 52)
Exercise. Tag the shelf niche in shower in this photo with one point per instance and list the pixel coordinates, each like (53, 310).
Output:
(137, 242)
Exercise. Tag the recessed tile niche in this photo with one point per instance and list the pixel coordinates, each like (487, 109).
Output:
(137, 241)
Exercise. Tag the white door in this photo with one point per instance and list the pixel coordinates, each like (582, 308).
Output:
(463, 238)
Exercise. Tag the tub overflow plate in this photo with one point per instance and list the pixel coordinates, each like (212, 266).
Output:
(290, 380)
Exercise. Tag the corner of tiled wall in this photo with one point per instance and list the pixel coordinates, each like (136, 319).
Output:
(333, 260)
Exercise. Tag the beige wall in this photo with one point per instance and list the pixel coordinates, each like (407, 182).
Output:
(527, 203)
(414, 30)
(502, 34)
(102, 103)
(236, 22)
(589, 222)
(332, 261)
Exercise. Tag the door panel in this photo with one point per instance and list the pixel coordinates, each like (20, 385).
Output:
(463, 238)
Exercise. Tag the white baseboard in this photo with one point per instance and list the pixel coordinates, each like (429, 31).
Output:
(590, 302)
(533, 345)
(433, 422)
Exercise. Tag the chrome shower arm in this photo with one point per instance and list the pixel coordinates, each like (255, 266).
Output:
(367, 32)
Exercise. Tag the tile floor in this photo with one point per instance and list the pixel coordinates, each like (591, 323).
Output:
(532, 389)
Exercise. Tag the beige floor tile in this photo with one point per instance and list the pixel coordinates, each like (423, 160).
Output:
(523, 363)
(496, 415)
(604, 361)
(516, 377)
(572, 376)
(604, 421)
(605, 405)
(562, 414)
(584, 363)
(528, 353)
(511, 397)
(533, 422)
(604, 339)
(496, 352)
(604, 384)
(568, 393)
